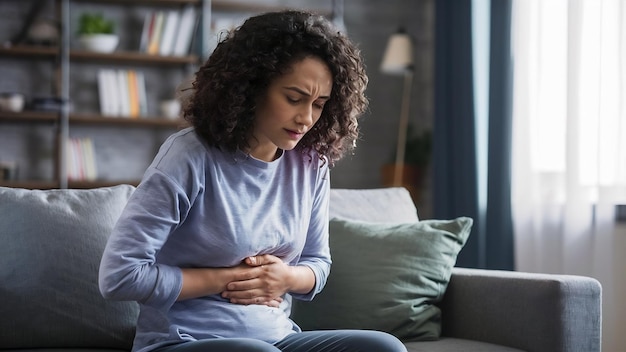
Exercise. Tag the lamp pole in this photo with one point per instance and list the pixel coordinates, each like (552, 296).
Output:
(403, 127)
(398, 60)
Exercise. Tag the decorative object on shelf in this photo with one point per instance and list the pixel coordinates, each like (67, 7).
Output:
(97, 33)
(37, 30)
(170, 108)
(48, 104)
(11, 101)
(398, 60)
(8, 170)
(44, 31)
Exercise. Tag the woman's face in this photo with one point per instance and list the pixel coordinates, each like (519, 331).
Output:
(291, 106)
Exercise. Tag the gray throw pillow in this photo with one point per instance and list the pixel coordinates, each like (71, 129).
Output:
(386, 277)
(51, 243)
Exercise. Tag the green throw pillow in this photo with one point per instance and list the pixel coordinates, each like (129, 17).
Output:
(386, 277)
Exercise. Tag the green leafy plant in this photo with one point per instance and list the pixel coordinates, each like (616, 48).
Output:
(418, 148)
(95, 24)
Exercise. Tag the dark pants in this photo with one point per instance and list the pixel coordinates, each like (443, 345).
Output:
(308, 341)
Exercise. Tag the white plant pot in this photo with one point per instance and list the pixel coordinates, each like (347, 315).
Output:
(102, 43)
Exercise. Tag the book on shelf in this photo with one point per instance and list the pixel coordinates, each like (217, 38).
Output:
(107, 82)
(133, 94)
(81, 160)
(122, 93)
(146, 32)
(106, 107)
(155, 35)
(143, 98)
(168, 36)
(169, 32)
(186, 30)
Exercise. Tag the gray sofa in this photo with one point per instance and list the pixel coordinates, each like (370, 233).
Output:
(51, 241)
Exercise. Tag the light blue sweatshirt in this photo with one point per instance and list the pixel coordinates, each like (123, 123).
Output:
(198, 206)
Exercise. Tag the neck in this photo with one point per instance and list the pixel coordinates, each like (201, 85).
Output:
(266, 155)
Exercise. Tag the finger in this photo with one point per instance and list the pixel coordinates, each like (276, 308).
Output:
(240, 295)
(259, 260)
(275, 303)
(244, 285)
(248, 301)
(246, 275)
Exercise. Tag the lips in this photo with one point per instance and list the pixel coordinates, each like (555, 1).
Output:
(295, 134)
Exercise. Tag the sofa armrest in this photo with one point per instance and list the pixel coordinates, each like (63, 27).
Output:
(532, 312)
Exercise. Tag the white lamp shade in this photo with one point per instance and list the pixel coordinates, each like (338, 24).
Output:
(398, 56)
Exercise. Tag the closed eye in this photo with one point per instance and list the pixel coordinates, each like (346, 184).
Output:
(317, 104)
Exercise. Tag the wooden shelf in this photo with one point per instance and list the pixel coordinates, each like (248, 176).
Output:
(30, 51)
(145, 121)
(143, 2)
(92, 119)
(242, 6)
(132, 57)
(216, 5)
(29, 116)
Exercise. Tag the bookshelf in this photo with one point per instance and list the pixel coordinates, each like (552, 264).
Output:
(29, 51)
(146, 121)
(132, 57)
(73, 75)
(28, 116)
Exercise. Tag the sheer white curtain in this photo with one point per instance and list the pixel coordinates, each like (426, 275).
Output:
(569, 145)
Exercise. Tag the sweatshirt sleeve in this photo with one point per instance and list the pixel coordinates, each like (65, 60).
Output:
(316, 252)
(128, 269)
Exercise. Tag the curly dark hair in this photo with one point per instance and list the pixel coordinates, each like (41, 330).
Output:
(242, 66)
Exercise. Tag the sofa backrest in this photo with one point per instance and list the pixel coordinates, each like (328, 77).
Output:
(393, 204)
(51, 242)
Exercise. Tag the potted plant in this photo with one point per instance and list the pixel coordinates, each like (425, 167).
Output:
(418, 148)
(96, 33)
(417, 155)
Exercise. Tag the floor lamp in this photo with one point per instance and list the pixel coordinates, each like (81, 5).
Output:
(398, 60)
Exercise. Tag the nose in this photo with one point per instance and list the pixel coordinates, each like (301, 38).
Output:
(305, 115)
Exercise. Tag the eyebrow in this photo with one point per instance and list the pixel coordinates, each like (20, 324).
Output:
(300, 91)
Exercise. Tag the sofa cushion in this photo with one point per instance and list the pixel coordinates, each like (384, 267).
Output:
(51, 243)
(448, 344)
(386, 277)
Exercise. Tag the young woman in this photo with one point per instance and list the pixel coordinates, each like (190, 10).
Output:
(232, 214)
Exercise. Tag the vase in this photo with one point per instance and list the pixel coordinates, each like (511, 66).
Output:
(102, 43)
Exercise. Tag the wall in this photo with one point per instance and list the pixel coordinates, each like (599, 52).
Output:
(368, 22)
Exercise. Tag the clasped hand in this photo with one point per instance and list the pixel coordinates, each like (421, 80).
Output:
(259, 280)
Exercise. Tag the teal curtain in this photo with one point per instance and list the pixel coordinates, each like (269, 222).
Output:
(472, 126)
